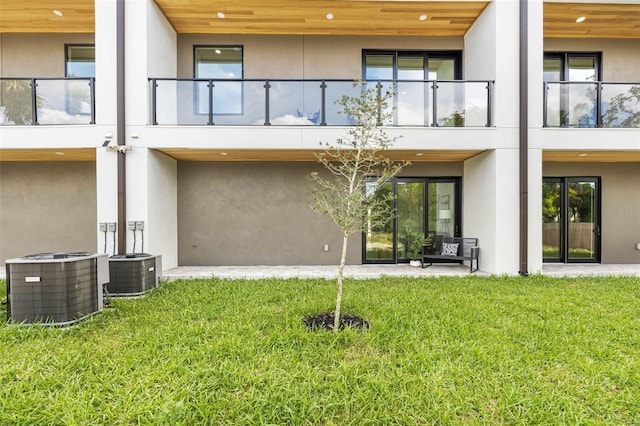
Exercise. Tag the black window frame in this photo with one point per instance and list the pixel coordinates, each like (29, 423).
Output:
(196, 98)
(456, 55)
(69, 108)
(66, 56)
(564, 58)
(457, 231)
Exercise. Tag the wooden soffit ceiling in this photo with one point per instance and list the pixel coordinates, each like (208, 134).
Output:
(604, 19)
(558, 156)
(182, 154)
(601, 20)
(350, 17)
(37, 16)
(62, 154)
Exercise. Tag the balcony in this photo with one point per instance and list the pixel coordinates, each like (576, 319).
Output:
(253, 102)
(591, 104)
(47, 101)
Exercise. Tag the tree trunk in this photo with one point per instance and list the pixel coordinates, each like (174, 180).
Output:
(343, 259)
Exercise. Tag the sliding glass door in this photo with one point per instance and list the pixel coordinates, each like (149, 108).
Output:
(410, 215)
(410, 69)
(571, 219)
(424, 205)
(379, 244)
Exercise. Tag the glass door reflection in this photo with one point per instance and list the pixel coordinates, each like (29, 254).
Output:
(582, 227)
(570, 219)
(551, 220)
(442, 208)
(379, 240)
(410, 216)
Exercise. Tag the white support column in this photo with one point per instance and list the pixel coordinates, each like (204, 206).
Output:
(106, 111)
(151, 51)
(491, 208)
(535, 211)
(491, 53)
(152, 198)
(535, 58)
(107, 198)
(163, 207)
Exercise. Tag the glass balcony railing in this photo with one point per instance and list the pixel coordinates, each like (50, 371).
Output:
(47, 101)
(591, 104)
(251, 102)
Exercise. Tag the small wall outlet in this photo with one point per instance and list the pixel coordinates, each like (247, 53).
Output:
(637, 246)
(325, 247)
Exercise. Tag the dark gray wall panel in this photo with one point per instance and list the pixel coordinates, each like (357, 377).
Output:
(48, 206)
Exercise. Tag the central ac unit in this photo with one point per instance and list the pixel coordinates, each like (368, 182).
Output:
(55, 288)
(133, 274)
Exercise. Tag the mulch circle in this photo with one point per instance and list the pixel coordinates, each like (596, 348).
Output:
(325, 321)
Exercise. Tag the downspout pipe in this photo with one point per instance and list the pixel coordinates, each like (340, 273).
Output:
(121, 129)
(524, 138)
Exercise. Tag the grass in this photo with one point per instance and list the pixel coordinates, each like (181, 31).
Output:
(473, 350)
(554, 252)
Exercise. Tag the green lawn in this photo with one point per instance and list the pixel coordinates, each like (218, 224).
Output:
(473, 350)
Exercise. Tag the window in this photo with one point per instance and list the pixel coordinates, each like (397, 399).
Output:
(567, 66)
(414, 103)
(412, 65)
(571, 89)
(80, 60)
(74, 96)
(218, 63)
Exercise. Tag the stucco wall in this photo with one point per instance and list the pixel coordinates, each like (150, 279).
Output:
(36, 55)
(305, 56)
(620, 57)
(47, 207)
(620, 205)
(258, 214)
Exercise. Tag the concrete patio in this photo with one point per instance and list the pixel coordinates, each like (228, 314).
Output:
(374, 271)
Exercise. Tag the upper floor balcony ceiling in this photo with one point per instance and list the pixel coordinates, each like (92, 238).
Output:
(603, 18)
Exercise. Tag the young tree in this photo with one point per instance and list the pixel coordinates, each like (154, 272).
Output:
(357, 167)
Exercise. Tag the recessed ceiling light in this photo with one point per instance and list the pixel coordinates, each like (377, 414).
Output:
(221, 15)
(329, 16)
(218, 51)
(582, 155)
(419, 154)
(224, 154)
(580, 19)
(422, 17)
(59, 153)
(57, 12)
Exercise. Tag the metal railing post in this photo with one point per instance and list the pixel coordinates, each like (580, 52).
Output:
(154, 100)
(545, 96)
(92, 89)
(210, 119)
(323, 103)
(379, 93)
(599, 104)
(267, 86)
(435, 103)
(489, 111)
(34, 103)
